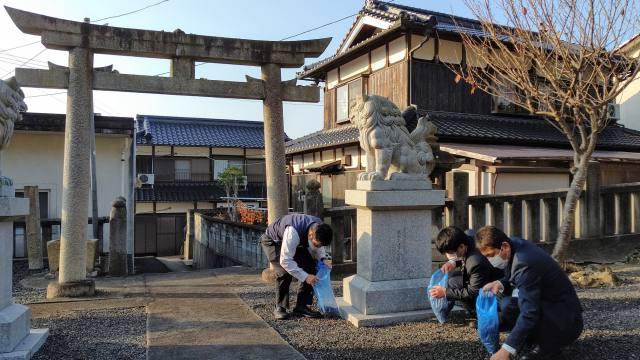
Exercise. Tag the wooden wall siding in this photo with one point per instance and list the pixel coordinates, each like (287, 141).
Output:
(434, 88)
(329, 108)
(391, 82)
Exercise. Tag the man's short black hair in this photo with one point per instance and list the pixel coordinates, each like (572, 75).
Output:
(491, 236)
(324, 233)
(450, 238)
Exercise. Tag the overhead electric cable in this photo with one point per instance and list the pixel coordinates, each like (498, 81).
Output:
(130, 12)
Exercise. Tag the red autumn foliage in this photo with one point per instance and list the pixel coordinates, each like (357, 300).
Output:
(249, 216)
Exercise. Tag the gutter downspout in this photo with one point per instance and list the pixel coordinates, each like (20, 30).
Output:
(131, 205)
(427, 36)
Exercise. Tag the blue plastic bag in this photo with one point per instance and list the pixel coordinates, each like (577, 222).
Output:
(324, 291)
(488, 323)
(440, 307)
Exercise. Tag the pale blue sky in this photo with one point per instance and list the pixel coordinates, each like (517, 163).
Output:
(251, 19)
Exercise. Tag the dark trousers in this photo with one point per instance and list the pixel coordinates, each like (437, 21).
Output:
(456, 282)
(304, 260)
(550, 333)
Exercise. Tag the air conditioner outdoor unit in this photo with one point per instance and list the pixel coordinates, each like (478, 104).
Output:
(146, 179)
(613, 112)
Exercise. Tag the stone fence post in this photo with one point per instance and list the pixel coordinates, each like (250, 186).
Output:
(188, 237)
(118, 238)
(457, 185)
(33, 229)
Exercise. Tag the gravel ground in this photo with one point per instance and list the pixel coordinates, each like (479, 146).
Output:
(612, 329)
(23, 295)
(87, 334)
(95, 334)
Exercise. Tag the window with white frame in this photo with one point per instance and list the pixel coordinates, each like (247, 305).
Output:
(346, 95)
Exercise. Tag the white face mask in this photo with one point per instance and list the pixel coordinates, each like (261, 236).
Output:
(455, 256)
(311, 246)
(452, 257)
(497, 261)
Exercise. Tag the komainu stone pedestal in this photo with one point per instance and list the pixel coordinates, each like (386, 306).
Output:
(17, 339)
(394, 252)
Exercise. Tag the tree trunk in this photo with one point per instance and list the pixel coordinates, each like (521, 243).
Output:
(569, 210)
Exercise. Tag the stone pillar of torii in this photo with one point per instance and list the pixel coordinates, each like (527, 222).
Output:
(83, 39)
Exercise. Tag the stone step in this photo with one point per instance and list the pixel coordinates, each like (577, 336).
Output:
(28, 346)
(15, 321)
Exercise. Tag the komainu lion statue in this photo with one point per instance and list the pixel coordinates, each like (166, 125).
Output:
(11, 105)
(392, 152)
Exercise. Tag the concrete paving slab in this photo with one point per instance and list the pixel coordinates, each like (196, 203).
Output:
(198, 315)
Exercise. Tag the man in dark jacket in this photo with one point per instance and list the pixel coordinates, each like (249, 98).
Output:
(292, 243)
(475, 270)
(540, 307)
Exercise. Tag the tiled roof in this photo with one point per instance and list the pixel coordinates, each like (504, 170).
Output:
(487, 129)
(392, 13)
(56, 122)
(194, 192)
(323, 138)
(165, 130)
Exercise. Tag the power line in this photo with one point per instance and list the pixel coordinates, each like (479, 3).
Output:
(26, 62)
(327, 24)
(304, 32)
(19, 63)
(49, 94)
(21, 58)
(319, 27)
(20, 46)
(130, 12)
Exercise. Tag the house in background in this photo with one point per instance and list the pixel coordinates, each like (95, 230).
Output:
(629, 99)
(35, 158)
(178, 161)
(404, 53)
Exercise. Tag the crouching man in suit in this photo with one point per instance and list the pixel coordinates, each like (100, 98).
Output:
(468, 270)
(292, 244)
(539, 306)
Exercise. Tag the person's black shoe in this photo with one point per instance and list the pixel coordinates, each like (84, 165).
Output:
(280, 313)
(536, 353)
(306, 312)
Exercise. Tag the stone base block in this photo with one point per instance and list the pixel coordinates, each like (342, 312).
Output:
(81, 288)
(382, 297)
(28, 346)
(358, 319)
(15, 321)
(406, 184)
(53, 255)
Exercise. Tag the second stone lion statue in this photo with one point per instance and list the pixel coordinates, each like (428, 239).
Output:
(392, 152)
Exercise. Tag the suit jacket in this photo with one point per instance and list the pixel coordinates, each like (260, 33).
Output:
(477, 271)
(544, 292)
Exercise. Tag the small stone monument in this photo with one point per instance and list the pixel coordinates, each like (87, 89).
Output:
(17, 339)
(313, 199)
(34, 229)
(118, 238)
(394, 199)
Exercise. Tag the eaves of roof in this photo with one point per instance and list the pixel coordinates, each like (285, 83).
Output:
(318, 69)
(479, 129)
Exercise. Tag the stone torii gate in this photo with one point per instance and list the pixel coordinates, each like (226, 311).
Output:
(83, 39)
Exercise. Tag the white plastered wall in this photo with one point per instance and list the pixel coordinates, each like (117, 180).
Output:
(629, 101)
(36, 159)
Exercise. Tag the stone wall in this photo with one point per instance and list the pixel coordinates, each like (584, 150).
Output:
(219, 243)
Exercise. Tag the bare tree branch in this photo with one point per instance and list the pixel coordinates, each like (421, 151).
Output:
(558, 60)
